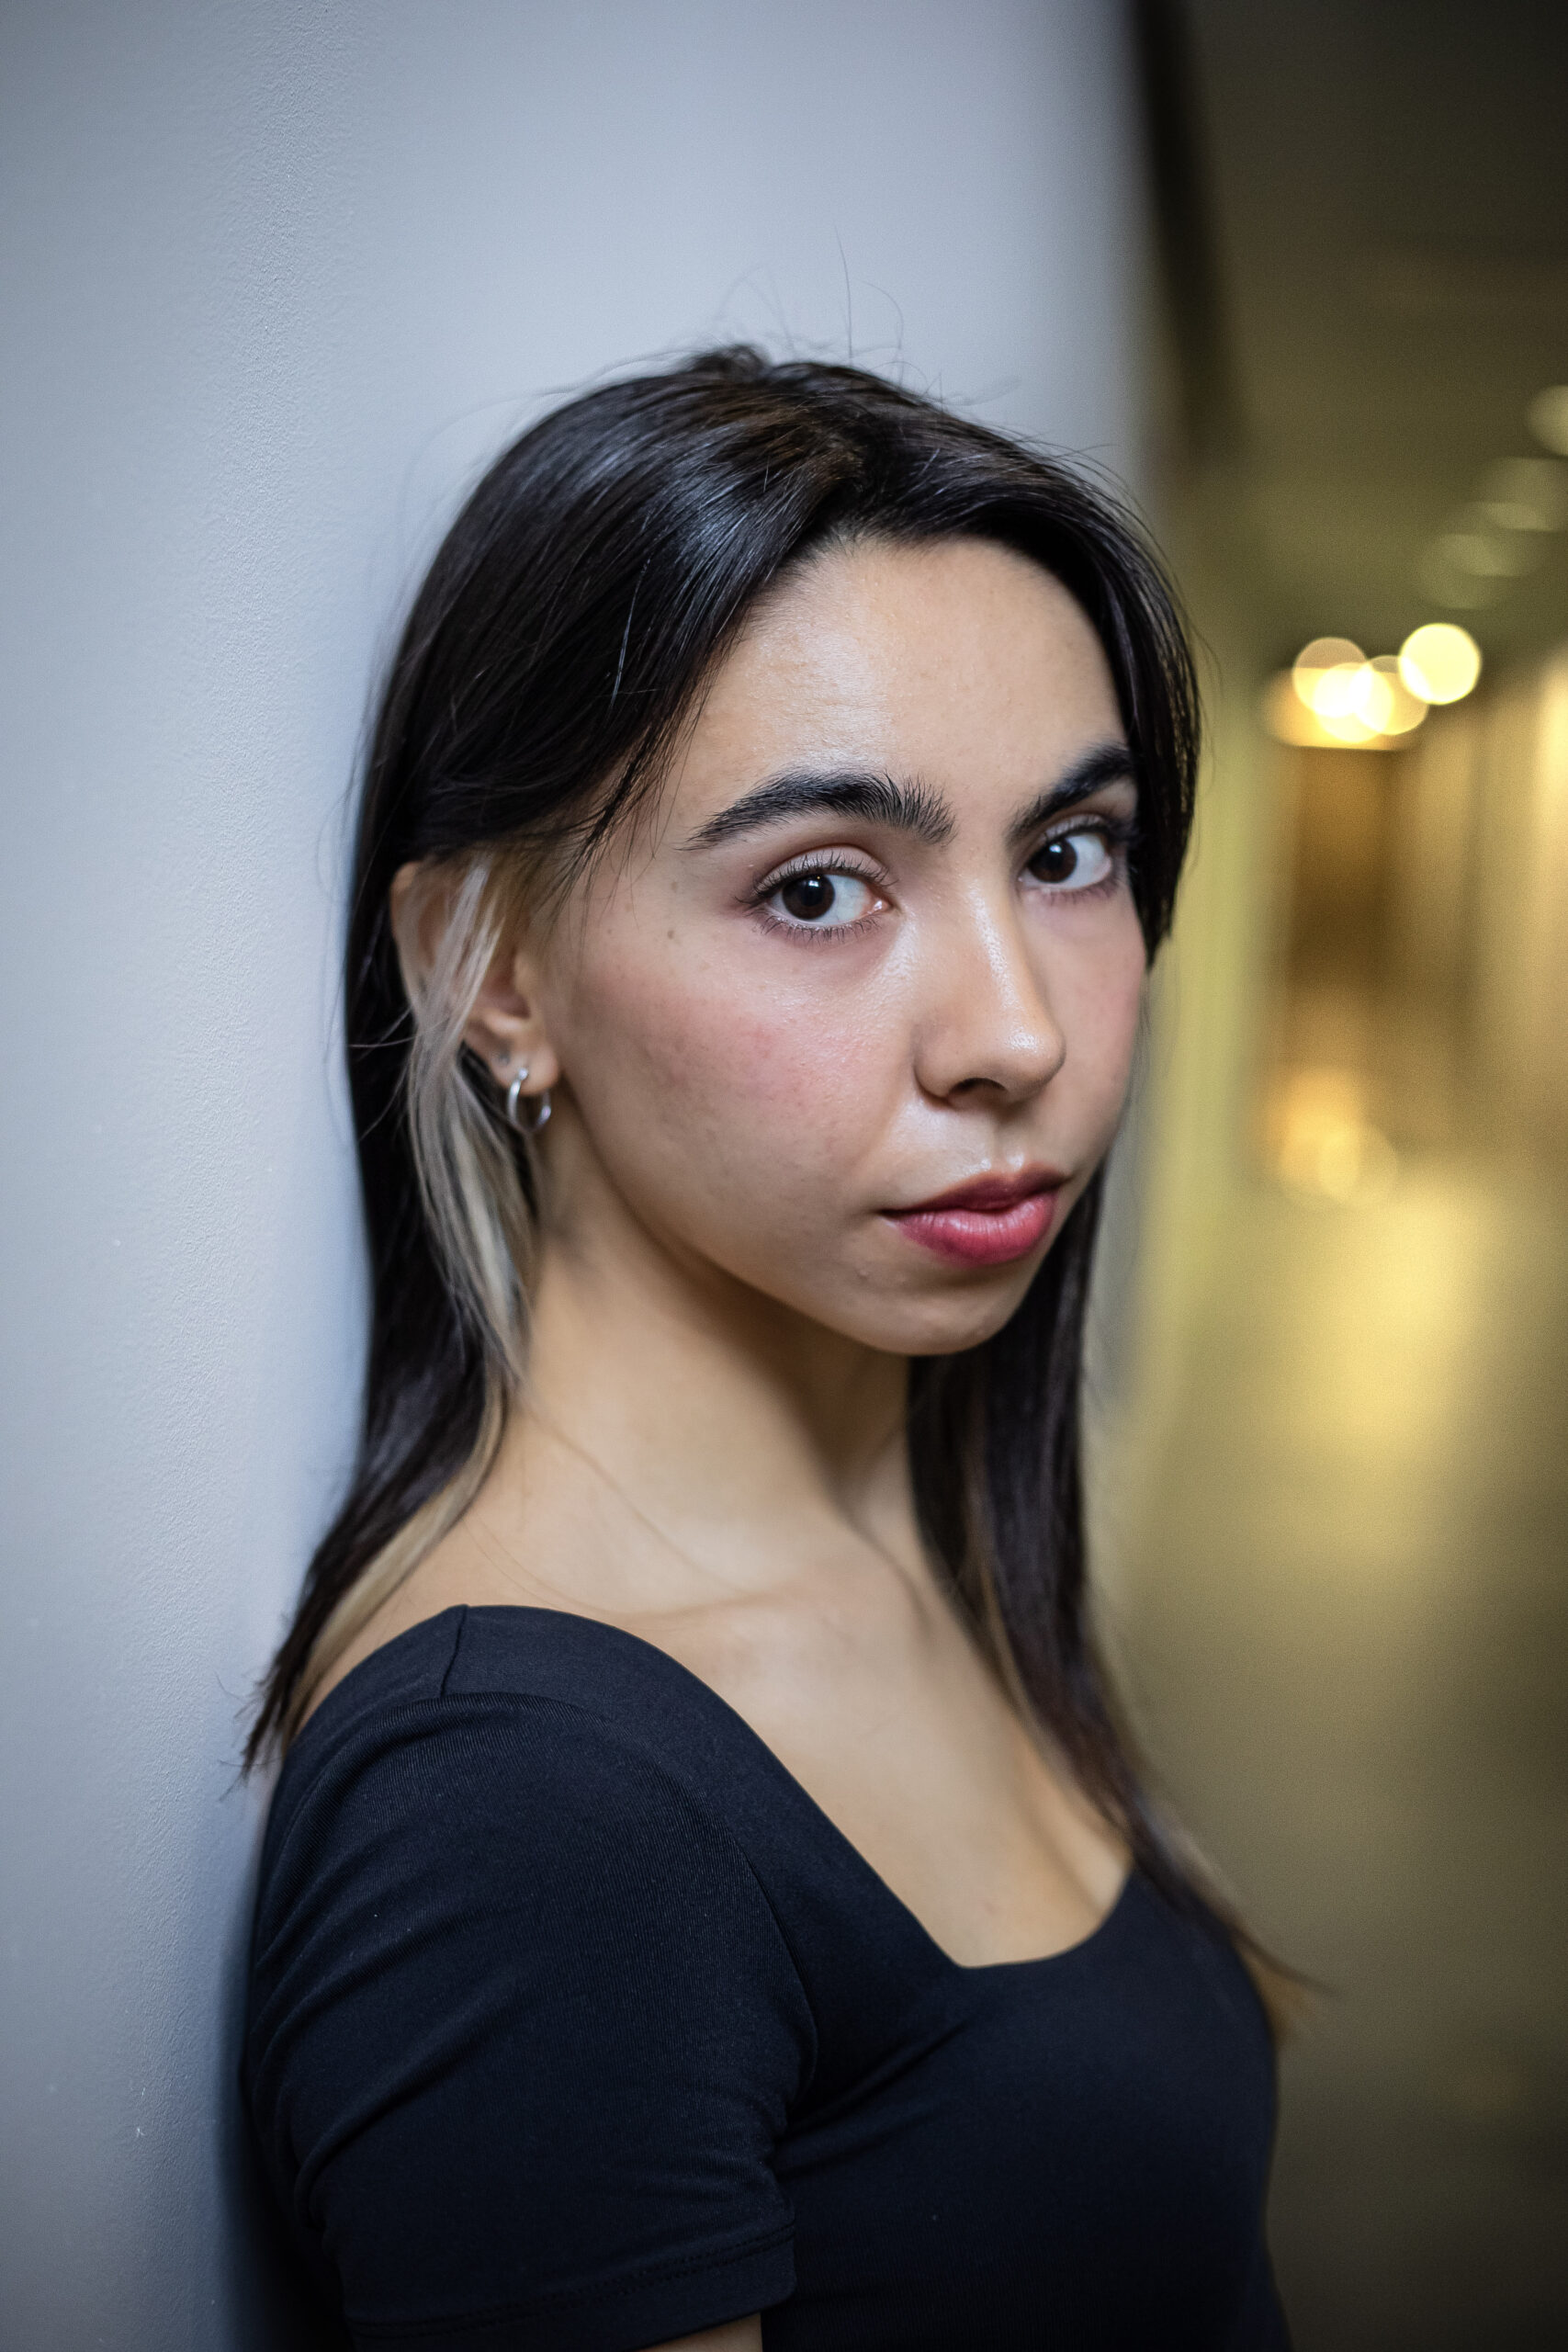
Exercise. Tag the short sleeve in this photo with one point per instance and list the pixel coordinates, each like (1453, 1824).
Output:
(523, 2035)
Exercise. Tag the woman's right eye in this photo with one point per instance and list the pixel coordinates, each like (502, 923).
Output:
(822, 899)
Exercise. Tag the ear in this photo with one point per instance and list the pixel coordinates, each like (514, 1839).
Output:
(506, 1026)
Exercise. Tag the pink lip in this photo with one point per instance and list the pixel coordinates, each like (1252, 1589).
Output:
(988, 1221)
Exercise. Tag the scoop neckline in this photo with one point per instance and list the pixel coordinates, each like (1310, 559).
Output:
(772, 1761)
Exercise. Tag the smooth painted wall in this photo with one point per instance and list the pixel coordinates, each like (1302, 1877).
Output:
(277, 277)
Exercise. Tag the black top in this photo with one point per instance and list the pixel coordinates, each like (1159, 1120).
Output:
(576, 2025)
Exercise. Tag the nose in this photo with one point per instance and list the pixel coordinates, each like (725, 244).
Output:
(987, 1031)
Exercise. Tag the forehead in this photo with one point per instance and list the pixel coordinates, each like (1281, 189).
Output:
(960, 662)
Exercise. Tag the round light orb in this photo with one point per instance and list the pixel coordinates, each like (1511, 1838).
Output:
(1314, 662)
(1440, 662)
(1548, 416)
(1336, 691)
(1372, 698)
(1398, 709)
(1291, 720)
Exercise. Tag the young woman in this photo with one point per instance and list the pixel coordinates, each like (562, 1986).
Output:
(706, 1898)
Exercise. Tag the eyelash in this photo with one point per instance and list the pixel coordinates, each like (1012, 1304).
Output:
(810, 864)
(1117, 833)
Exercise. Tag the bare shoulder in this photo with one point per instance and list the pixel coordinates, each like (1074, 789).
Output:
(565, 1568)
(455, 1573)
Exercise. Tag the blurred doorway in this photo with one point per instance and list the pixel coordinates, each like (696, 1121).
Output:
(1420, 995)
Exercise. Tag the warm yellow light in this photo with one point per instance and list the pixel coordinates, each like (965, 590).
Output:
(1287, 718)
(1314, 663)
(1291, 720)
(1397, 710)
(1335, 692)
(1440, 661)
(1372, 698)
(1548, 414)
(1324, 1145)
(1345, 726)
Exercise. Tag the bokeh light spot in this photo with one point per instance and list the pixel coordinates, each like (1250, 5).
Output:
(1398, 709)
(1440, 662)
(1314, 663)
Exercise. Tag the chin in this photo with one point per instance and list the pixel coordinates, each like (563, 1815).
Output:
(944, 1325)
(957, 1337)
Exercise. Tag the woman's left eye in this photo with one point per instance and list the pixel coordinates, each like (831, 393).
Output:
(822, 899)
(1073, 861)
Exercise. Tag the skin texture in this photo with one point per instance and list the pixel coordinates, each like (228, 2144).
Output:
(710, 1453)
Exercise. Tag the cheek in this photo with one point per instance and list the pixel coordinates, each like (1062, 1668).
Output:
(680, 1067)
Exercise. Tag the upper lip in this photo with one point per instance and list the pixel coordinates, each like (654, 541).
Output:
(988, 1193)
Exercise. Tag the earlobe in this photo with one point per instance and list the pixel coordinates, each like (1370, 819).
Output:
(506, 1029)
(504, 1026)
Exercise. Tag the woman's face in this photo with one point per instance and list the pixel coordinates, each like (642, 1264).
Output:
(850, 1019)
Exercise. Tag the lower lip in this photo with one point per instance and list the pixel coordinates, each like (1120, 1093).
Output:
(981, 1237)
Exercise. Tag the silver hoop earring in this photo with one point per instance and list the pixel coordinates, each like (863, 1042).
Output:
(514, 1099)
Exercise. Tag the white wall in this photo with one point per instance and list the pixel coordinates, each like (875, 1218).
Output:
(278, 275)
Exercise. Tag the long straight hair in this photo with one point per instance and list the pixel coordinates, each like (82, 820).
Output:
(562, 639)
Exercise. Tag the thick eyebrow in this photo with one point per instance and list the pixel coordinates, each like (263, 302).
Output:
(875, 800)
(907, 807)
(1107, 764)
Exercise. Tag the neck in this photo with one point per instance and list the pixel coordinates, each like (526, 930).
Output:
(715, 1411)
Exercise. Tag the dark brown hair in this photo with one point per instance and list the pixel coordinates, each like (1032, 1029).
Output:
(596, 575)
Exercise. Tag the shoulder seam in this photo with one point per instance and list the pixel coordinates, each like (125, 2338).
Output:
(458, 1632)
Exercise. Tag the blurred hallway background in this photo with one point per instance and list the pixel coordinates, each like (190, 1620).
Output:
(1340, 1506)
